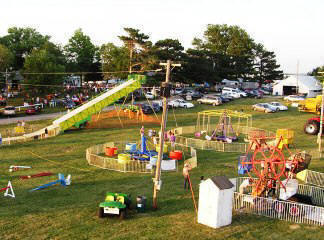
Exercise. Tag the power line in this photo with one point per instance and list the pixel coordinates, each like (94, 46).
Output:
(81, 73)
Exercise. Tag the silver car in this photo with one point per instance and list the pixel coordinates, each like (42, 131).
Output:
(210, 100)
(264, 107)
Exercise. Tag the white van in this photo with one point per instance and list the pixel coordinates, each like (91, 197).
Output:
(236, 93)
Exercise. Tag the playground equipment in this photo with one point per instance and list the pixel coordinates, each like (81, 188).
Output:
(42, 174)
(311, 105)
(228, 127)
(9, 192)
(114, 204)
(269, 167)
(13, 168)
(63, 181)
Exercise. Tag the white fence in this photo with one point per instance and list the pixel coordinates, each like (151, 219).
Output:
(315, 178)
(283, 210)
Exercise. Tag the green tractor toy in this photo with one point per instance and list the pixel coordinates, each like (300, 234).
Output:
(114, 204)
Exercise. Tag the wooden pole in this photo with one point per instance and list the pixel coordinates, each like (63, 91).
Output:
(192, 194)
(157, 179)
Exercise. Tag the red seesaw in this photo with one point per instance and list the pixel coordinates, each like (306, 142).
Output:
(42, 174)
(7, 193)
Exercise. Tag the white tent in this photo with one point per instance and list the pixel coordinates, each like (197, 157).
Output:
(307, 85)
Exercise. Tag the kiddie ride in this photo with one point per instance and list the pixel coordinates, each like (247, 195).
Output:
(142, 154)
(114, 204)
(272, 171)
(224, 130)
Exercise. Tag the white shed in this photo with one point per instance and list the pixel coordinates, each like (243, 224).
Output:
(215, 202)
(307, 85)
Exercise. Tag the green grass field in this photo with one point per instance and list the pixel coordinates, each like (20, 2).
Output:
(71, 212)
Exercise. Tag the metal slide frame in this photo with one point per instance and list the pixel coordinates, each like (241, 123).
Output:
(83, 113)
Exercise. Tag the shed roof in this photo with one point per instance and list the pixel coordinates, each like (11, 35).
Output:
(222, 182)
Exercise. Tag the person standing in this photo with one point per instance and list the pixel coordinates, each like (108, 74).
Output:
(185, 173)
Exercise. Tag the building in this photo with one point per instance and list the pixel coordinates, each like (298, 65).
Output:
(306, 85)
(215, 202)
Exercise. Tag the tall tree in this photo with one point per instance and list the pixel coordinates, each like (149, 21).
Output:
(266, 67)
(169, 49)
(21, 41)
(140, 49)
(114, 59)
(47, 59)
(318, 72)
(228, 49)
(80, 52)
(6, 58)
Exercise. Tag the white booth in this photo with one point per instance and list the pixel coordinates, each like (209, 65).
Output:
(215, 202)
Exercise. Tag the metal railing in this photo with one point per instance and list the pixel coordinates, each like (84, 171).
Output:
(283, 210)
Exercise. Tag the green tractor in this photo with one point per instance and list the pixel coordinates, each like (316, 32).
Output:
(114, 204)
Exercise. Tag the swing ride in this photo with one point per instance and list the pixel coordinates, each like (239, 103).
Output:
(222, 125)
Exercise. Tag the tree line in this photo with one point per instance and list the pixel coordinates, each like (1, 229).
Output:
(223, 52)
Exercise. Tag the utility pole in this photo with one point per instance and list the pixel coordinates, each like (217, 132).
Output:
(157, 179)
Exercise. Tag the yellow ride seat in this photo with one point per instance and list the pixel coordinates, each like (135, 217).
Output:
(110, 198)
(120, 199)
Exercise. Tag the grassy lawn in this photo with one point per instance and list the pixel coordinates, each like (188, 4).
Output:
(70, 213)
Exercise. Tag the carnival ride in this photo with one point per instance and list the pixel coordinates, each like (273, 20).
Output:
(83, 113)
(228, 127)
(271, 167)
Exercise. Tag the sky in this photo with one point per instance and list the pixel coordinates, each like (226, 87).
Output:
(293, 29)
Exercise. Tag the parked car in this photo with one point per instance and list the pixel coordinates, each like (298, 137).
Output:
(196, 95)
(149, 95)
(33, 110)
(173, 104)
(278, 106)
(3, 101)
(210, 100)
(184, 104)
(69, 104)
(156, 107)
(263, 107)
(294, 98)
(178, 91)
(9, 111)
(265, 91)
(224, 99)
(146, 108)
(257, 93)
(227, 96)
(233, 92)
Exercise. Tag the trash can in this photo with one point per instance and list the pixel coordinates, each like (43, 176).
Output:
(140, 203)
